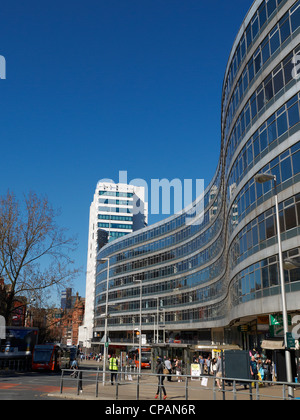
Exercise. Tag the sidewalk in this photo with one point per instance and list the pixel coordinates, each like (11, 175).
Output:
(176, 391)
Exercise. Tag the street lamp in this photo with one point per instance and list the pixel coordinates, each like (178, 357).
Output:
(261, 179)
(102, 261)
(140, 336)
(292, 263)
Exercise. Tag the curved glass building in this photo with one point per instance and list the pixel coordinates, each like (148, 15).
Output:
(215, 278)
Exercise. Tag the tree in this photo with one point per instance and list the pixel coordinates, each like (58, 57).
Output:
(35, 253)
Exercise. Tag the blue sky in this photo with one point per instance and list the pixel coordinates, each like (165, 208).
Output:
(98, 86)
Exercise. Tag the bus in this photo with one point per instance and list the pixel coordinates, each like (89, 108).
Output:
(146, 357)
(52, 357)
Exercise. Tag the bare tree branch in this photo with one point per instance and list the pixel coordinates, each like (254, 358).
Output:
(35, 254)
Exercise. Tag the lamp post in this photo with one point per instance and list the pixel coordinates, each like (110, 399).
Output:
(261, 179)
(102, 261)
(140, 336)
(292, 263)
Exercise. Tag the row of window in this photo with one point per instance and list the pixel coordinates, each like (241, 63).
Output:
(115, 202)
(172, 240)
(201, 258)
(280, 32)
(116, 209)
(273, 84)
(116, 194)
(191, 297)
(114, 226)
(112, 217)
(261, 141)
(262, 228)
(183, 220)
(259, 279)
(285, 167)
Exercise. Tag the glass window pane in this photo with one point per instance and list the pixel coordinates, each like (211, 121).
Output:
(262, 14)
(281, 124)
(265, 49)
(296, 162)
(255, 27)
(290, 217)
(286, 169)
(270, 227)
(293, 114)
(288, 67)
(273, 272)
(285, 31)
(271, 6)
(274, 42)
(278, 82)
(272, 132)
(263, 140)
(295, 19)
(260, 100)
(269, 89)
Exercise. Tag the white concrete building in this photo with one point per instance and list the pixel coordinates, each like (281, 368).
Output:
(116, 210)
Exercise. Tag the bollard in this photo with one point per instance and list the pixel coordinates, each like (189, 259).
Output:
(61, 381)
(138, 388)
(97, 376)
(186, 389)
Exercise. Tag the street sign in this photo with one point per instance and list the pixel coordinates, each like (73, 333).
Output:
(107, 345)
(291, 342)
(277, 320)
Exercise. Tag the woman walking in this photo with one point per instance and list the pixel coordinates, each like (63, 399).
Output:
(161, 378)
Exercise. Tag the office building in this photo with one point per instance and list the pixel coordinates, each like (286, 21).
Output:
(217, 282)
(116, 210)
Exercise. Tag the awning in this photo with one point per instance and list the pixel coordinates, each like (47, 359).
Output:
(272, 345)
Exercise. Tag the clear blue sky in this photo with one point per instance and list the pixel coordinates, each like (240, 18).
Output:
(98, 86)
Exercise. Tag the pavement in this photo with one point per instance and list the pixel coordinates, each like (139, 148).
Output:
(128, 388)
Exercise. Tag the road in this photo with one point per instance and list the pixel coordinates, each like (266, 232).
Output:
(34, 385)
(28, 386)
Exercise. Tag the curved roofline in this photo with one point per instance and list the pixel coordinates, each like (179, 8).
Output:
(247, 19)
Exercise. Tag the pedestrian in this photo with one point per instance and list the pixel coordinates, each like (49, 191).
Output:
(161, 378)
(74, 366)
(214, 366)
(201, 363)
(253, 369)
(219, 372)
(208, 365)
(113, 367)
(168, 366)
(267, 367)
(178, 367)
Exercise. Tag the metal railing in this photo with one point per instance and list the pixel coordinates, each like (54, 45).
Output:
(16, 365)
(231, 388)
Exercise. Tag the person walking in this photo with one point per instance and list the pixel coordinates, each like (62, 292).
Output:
(168, 366)
(178, 367)
(113, 367)
(253, 369)
(208, 365)
(219, 372)
(74, 366)
(161, 378)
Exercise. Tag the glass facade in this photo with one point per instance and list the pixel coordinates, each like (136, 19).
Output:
(203, 275)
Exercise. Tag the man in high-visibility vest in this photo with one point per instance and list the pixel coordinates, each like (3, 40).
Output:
(113, 367)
